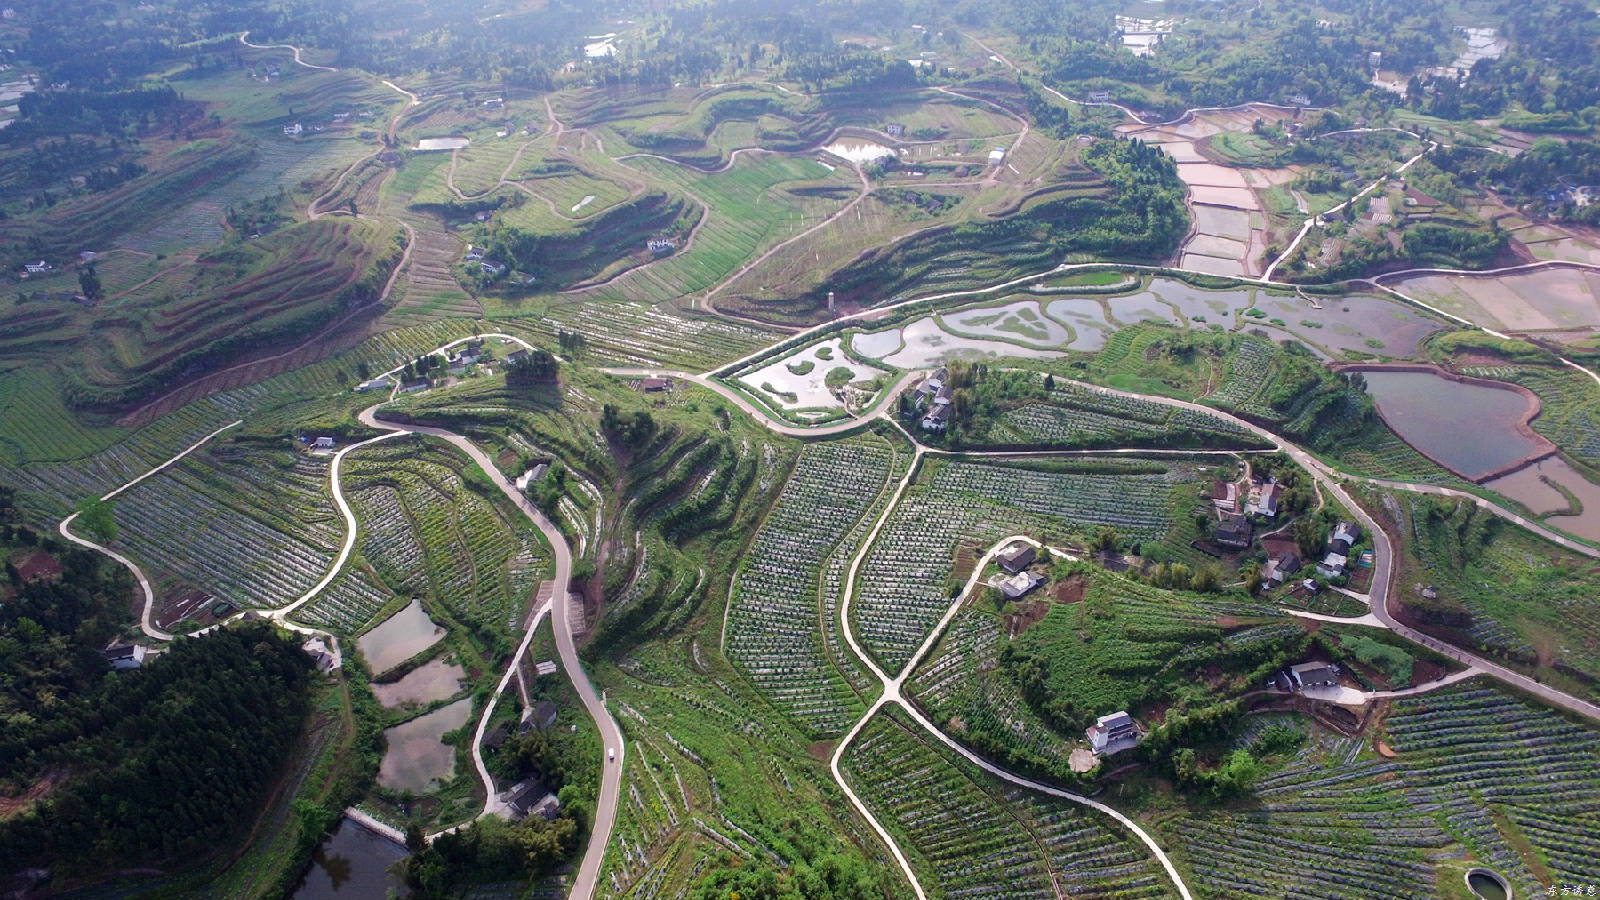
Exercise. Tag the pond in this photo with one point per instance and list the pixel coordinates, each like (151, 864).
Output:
(1468, 427)
(432, 681)
(858, 151)
(1488, 885)
(399, 637)
(442, 143)
(353, 862)
(417, 760)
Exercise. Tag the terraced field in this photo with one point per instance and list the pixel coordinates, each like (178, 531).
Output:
(427, 531)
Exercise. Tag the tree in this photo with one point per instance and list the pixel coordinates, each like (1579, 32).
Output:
(1307, 537)
(1107, 540)
(98, 517)
(89, 282)
(538, 367)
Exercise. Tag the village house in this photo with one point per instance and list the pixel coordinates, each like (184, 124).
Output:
(1113, 733)
(1234, 531)
(530, 797)
(930, 387)
(294, 130)
(325, 659)
(518, 356)
(1333, 565)
(125, 656)
(492, 269)
(1020, 585)
(1225, 496)
(322, 443)
(548, 666)
(997, 156)
(474, 253)
(895, 129)
(1279, 569)
(1016, 558)
(1099, 96)
(1267, 501)
(1313, 674)
(653, 385)
(38, 267)
(660, 245)
(493, 103)
(1345, 535)
(372, 384)
(937, 419)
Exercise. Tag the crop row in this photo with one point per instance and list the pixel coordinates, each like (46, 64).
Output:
(348, 604)
(774, 616)
(971, 837)
(219, 525)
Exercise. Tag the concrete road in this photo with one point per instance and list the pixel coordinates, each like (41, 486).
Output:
(610, 734)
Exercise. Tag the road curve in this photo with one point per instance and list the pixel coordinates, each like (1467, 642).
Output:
(566, 647)
(146, 616)
(764, 417)
(298, 61)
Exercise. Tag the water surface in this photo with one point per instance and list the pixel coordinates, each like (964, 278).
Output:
(399, 637)
(1470, 429)
(354, 863)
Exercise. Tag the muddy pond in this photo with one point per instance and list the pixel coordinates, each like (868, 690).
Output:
(1470, 428)
(417, 759)
(353, 863)
(433, 681)
(399, 637)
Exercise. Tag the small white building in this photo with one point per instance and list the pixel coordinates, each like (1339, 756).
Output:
(294, 130)
(1113, 733)
(322, 443)
(997, 156)
(1020, 585)
(38, 267)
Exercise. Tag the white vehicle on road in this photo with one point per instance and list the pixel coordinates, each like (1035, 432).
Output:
(611, 754)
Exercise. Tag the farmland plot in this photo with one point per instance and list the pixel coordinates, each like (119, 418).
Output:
(1079, 417)
(774, 634)
(425, 531)
(904, 590)
(748, 209)
(1475, 773)
(251, 525)
(970, 836)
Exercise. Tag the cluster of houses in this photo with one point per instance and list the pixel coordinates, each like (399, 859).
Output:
(933, 398)
(490, 267)
(530, 796)
(1238, 511)
(1337, 561)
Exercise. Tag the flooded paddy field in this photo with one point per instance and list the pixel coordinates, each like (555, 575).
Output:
(800, 380)
(1541, 300)
(1540, 488)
